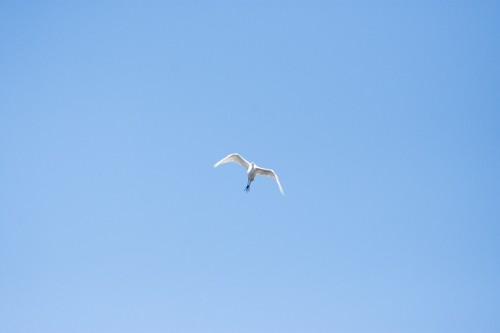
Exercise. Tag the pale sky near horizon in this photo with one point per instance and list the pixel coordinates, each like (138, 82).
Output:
(381, 118)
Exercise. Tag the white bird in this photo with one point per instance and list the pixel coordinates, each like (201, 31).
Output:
(251, 168)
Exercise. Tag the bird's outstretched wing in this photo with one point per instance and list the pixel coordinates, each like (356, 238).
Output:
(233, 158)
(269, 173)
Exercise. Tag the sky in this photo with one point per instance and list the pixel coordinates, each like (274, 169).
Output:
(381, 119)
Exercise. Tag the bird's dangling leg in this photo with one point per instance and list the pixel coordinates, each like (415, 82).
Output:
(248, 186)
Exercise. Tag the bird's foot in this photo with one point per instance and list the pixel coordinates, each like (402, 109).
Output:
(247, 188)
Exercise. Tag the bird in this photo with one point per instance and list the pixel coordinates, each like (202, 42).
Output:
(251, 168)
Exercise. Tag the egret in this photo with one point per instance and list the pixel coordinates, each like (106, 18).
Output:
(251, 168)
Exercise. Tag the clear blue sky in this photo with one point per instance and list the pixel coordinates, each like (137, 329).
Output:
(382, 119)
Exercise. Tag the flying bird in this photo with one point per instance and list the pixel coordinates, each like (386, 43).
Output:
(251, 168)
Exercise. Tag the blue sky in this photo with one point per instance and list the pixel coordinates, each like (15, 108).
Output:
(382, 120)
